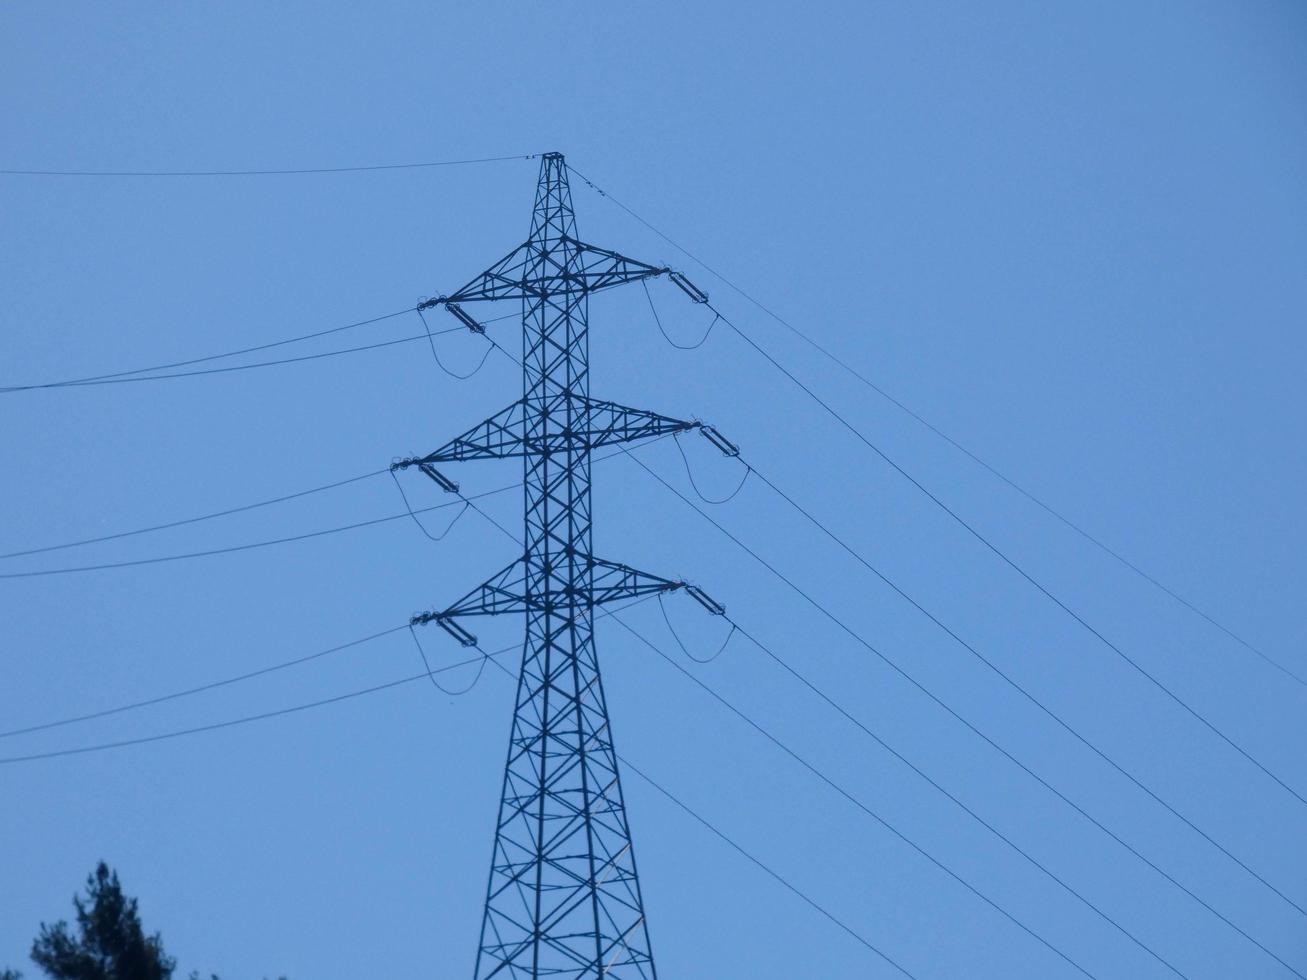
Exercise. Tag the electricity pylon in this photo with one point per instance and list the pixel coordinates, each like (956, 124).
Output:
(563, 898)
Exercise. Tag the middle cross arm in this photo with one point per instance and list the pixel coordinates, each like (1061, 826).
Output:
(507, 592)
(597, 424)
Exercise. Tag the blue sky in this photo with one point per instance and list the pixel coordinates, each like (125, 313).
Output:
(1071, 238)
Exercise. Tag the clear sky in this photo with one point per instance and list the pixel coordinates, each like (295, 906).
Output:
(1071, 236)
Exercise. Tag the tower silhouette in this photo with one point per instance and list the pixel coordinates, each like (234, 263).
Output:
(563, 898)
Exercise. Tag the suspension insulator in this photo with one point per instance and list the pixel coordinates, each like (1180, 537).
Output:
(705, 600)
(727, 447)
(687, 287)
(464, 318)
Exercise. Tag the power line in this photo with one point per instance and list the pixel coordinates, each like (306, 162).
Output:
(1011, 682)
(775, 875)
(262, 173)
(695, 485)
(173, 696)
(971, 529)
(481, 668)
(970, 812)
(902, 406)
(104, 746)
(142, 374)
(431, 338)
(974, 532)
(658, 321)
(194, 520)
(208, 357)
(227, 370)
(157, 559)
(893, 665)
(842, 791)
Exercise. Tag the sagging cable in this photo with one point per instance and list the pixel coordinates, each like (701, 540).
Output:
(441, 364)
(422, 527)
(694, 484)
(658, 321)
(713, 607)
(431, 675)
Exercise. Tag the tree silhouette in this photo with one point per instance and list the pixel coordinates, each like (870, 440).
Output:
(111, 945)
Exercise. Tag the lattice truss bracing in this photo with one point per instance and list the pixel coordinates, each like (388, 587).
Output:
(563, 898)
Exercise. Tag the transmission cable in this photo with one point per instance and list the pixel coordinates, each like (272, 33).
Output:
(481, 666)
(422, 527)
(195, 520)
(806, 338)
(206, 358)
(130, 376)
(774, 875)
(1016, 686)
(680, 643)
(843, 712)
(962, 522)
(695, 486)
(844, 792)
(659, 322)
(893, 665)
(103, 746)
(243, 547)
(187, 692)
(235, 367)
(263, 173)
(441, 364)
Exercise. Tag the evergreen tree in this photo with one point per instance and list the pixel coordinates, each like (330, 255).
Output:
(110, 945)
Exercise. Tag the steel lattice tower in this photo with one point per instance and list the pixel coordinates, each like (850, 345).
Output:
(563, 898)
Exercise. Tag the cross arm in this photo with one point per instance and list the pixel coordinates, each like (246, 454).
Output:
(498, 437)
(597, 423)
(507, 592)
(600, 268)
(506, 279)
(607, 423)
